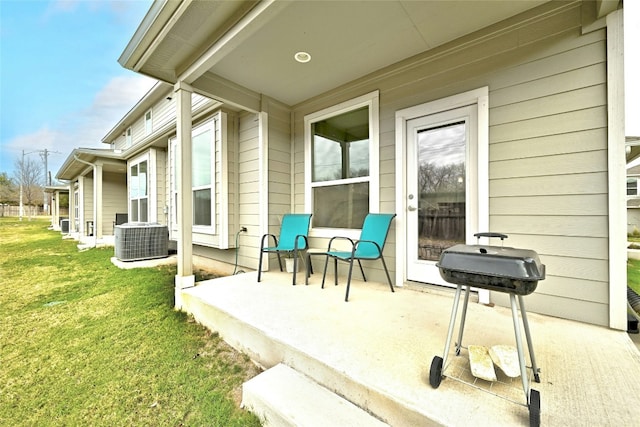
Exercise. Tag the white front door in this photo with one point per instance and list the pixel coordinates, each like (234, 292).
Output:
(442, 181)
(440, 202)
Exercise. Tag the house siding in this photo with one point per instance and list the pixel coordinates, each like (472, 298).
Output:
(249, 189)
(159, 186)
(547, 145)
(86, 202)
(114, 199)
(243, 193)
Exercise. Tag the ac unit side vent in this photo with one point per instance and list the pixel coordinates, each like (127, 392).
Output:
(136, 241)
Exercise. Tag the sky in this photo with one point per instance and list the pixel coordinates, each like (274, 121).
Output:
(61, 86)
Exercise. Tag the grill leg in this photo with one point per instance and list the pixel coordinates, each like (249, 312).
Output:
(525, 321)
(452, 323)
(467, 290)
(516, 328)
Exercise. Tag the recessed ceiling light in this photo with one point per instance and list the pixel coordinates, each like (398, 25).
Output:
(302, 57)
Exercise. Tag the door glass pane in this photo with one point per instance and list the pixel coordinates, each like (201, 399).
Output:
(441, 186)
(341, 206)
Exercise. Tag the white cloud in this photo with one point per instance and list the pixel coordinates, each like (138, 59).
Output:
(85, 128)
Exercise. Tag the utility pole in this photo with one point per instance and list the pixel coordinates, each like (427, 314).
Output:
(45, 196)
(21, 181)
(44, 154)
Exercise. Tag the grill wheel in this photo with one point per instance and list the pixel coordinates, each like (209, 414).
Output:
(435, 373)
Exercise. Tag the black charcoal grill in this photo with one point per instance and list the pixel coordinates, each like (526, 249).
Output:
(501, 269)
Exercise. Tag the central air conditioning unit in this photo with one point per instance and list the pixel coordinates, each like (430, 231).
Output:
(136, 241)
(64, 226)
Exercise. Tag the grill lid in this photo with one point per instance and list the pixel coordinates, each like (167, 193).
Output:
(493, 261)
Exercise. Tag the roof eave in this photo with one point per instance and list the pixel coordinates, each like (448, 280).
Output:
(89, 155)
(152, 28)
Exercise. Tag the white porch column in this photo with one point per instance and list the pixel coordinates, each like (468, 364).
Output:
(79, 221)
(185, 277)
(97, 201)
(71, 205)
(616, 172)
(56, 210)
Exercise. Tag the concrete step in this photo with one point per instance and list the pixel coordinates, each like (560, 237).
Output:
(281, 396)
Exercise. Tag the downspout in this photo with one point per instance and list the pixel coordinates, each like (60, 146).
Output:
(95, 198)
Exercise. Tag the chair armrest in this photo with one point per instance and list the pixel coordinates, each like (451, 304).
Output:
(357, 243)
(266, 236)
(340, 238)
(306, 242)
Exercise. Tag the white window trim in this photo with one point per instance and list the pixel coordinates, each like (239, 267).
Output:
(151, 190)
(371, 100)
(217, 135)
(208, 125)
(480, 97)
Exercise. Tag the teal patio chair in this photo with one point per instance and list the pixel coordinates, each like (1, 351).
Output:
(293, 240)
(369, 247)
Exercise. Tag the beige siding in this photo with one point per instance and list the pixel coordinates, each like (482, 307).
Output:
(86, 208)
(547, 160)
(160, 186)
(248, 189)
(114, 199)
(243, 194)
(164, 114)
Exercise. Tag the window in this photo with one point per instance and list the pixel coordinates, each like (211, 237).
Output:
(76, 209)
(138, 192)
(632, 186)
(148, 124)
(128, 139)
(202, 176)
(341, 148)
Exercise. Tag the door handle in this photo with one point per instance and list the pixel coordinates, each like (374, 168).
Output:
(412, 208)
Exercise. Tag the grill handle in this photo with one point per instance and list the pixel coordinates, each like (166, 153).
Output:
(490, 235)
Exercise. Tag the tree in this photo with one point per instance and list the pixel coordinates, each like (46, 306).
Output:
(28, 174)
(8, 191)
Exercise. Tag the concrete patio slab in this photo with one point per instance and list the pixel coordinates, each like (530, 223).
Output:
(376, 351)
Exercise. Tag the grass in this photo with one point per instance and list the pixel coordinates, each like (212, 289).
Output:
(85, 343)
(633, 274)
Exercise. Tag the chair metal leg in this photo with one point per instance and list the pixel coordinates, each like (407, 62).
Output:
(346, 297)
(279, 260)
(384, 264)
(361, 270)
(324, 273)
(260, 265)
(335, 271)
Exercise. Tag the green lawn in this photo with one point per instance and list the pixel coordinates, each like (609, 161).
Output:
(633, 274)
(85, 343)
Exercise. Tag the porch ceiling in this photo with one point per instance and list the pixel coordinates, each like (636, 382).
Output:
(252, 44)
